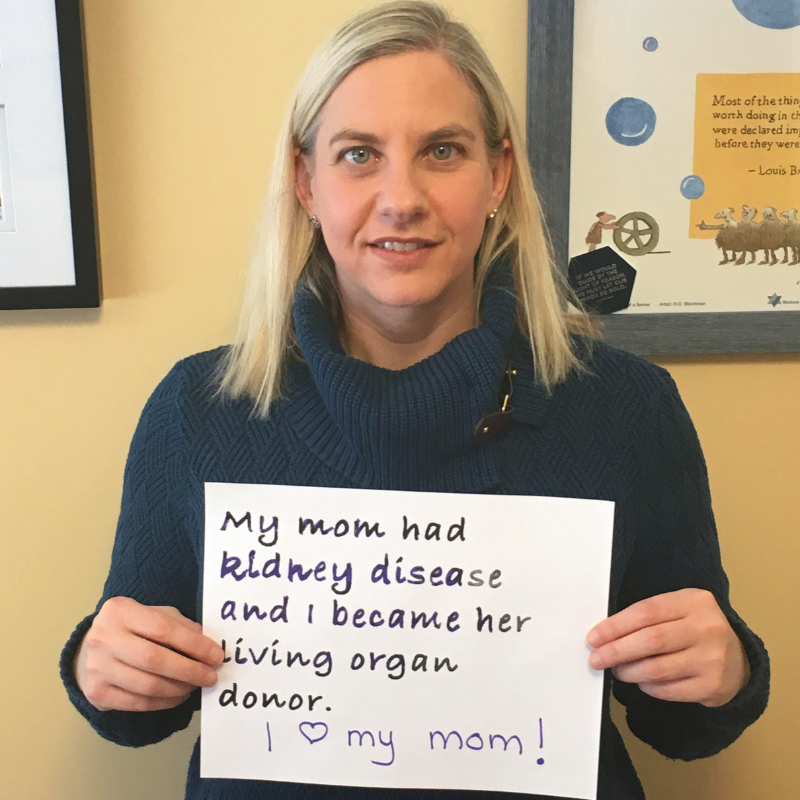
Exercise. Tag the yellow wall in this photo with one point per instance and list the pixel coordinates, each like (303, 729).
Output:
(186, 100)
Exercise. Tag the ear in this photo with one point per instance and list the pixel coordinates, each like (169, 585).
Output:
(302, 181)
(501, 174)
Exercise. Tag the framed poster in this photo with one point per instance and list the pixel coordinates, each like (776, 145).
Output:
(670, 132)
(48, 249)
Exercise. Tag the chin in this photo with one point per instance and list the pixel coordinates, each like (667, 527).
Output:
(404, 299)
(406, 294)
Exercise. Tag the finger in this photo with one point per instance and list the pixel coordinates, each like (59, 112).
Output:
(116, 699)
(137, 681)
(159, 660)
(196, 627)
(660, 669)
(176, 615)
(652, 611)
(668, 637)
(153, 624)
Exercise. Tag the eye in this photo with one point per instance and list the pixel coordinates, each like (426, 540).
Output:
(358, 155)
(443, 152)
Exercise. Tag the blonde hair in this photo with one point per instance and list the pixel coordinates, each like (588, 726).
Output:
(289, 250)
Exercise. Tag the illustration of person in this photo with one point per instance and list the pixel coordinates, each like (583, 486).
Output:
(604, 223)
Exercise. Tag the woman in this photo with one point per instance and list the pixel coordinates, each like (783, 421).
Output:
(402, 267)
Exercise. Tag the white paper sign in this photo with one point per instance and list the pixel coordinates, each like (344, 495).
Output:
(404, 639)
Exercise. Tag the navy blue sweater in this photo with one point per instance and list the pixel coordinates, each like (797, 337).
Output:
(617, 431)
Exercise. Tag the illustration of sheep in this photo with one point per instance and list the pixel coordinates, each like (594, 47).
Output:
(773, 233)
(792, 240)
(750, 235)
(728, 236)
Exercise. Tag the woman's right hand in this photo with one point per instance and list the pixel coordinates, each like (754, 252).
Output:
(143, 658)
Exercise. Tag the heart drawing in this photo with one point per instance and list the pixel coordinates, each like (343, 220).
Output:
(314, 731)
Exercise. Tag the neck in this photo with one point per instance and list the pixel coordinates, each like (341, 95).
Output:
(399, 337)
(410, 428)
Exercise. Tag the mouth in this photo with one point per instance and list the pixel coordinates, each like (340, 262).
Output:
(401, 245)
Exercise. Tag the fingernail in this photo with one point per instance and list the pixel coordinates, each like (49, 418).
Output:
(217, 654)
(593, 638)
(595, 661)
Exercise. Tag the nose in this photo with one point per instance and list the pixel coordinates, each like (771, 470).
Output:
(402, 200)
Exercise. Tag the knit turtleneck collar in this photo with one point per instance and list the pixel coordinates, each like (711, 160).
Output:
(412, 428)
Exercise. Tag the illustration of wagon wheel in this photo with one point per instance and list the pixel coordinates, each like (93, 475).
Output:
(636, 234)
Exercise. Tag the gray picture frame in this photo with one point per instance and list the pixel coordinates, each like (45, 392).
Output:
(549, 126)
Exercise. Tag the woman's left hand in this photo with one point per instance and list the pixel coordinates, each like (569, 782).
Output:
(677, 646)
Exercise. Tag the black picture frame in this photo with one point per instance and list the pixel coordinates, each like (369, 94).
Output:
(86, 292)
(549, 128)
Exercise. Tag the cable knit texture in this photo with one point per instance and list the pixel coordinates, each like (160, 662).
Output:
(617, 432)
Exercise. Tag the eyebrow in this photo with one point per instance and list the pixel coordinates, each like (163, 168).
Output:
(445, 132)
(350, 135)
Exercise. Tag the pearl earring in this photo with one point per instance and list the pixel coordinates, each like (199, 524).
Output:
(314, 221)
(493, 214)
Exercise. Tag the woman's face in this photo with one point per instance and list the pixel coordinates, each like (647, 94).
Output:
(401, 183)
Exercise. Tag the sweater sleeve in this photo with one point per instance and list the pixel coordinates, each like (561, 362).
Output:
(677, 547)
(152, 560)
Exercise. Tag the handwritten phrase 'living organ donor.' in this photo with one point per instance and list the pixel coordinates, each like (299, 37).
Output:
(404, 639)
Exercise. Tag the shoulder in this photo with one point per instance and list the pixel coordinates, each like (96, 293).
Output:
(644, 400)
(605, 380)
(220, 438)
(619, 370)
(618, 385)
(610, 371)
(197, 374)
(200, 368)
(190, 386)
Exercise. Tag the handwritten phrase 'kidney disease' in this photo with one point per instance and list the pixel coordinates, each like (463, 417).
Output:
(404, 639)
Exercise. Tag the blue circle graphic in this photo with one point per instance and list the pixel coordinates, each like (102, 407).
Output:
(776, 14)
(692, 187)
(631, 121)
(650, 44)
